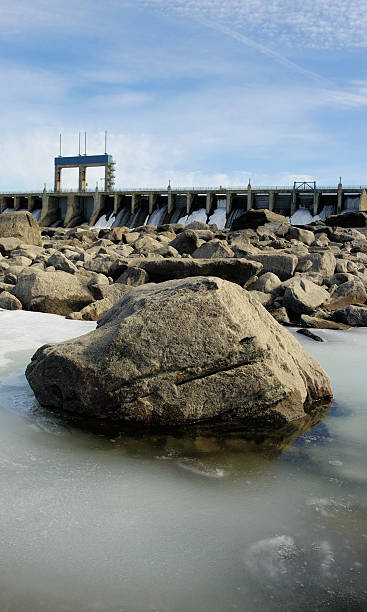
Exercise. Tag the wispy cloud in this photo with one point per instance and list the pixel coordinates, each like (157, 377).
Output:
(249, 42)
(305, 23)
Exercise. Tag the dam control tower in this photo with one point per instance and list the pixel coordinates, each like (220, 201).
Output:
(84, 161)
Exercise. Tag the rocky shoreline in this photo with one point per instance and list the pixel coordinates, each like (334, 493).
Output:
(183, 337)
(312, 277)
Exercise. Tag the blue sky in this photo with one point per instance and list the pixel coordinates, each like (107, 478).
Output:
(199, 92)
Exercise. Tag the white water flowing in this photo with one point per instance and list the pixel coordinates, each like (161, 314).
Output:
(197, 215)
(37, 213)
(157, 216)
(122, 217)
(218, 218)
(104, 223)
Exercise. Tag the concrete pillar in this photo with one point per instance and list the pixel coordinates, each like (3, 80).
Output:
(97, 209)
(73, 211)
(170, 202)
(271, 200)
(57, 186)
(249, 197)
(209, 202)
(133, 203)
(30, 203)
(316, 203)
(152, 202)
(116, 203)
(189, 199)
(363, 201)
(50, 210)
(2, 204)
(228, 204)
(82, 178)
(16, 202)
(339, 206)
(293, 203)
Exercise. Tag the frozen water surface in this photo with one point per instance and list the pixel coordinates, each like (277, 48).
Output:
(89, 523)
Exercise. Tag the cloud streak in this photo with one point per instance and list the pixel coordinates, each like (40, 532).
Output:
(296, 23)
(249, 42)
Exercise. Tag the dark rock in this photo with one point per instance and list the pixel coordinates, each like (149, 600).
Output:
(213, 249)
(310, 334)
(356, 316)
(281, 315)
(254, 218)
(236, 270)
(349, 219)
(320, 323)
(186, 242)
(9, 301)
(351, 292)
(133, 277)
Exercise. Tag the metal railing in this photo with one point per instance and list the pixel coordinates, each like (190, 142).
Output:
(164, 190)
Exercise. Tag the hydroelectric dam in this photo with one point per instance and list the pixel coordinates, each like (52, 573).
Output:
(135, 207)
(139, 206)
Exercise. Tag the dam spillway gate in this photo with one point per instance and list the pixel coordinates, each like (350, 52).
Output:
(134, 207)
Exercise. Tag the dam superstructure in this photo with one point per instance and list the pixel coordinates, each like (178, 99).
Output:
(134, 207)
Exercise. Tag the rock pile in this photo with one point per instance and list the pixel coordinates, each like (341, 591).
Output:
(314, 276)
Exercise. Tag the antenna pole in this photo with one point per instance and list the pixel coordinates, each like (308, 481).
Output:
(105, 142)
(60, 146)
(85, 143)
(79, 143)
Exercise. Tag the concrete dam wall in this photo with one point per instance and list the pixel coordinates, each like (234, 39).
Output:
(133, 208)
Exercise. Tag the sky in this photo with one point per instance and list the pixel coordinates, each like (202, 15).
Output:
(196, 92)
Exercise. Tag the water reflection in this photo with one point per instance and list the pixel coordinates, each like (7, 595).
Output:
(217, 440)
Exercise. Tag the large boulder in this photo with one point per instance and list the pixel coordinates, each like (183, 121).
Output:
(20, 225)
(268, 283)
(281, 264)
(356, 316)
(236, 270)
(302, 235)
(303, 296)
(7, 245)
(350, 292)
(213, 249)
(186, 242)
(252, 219)
(348, 219)
(9, 301)
(188, 351)
(97, 309)
(55, 292)
(321, 263)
